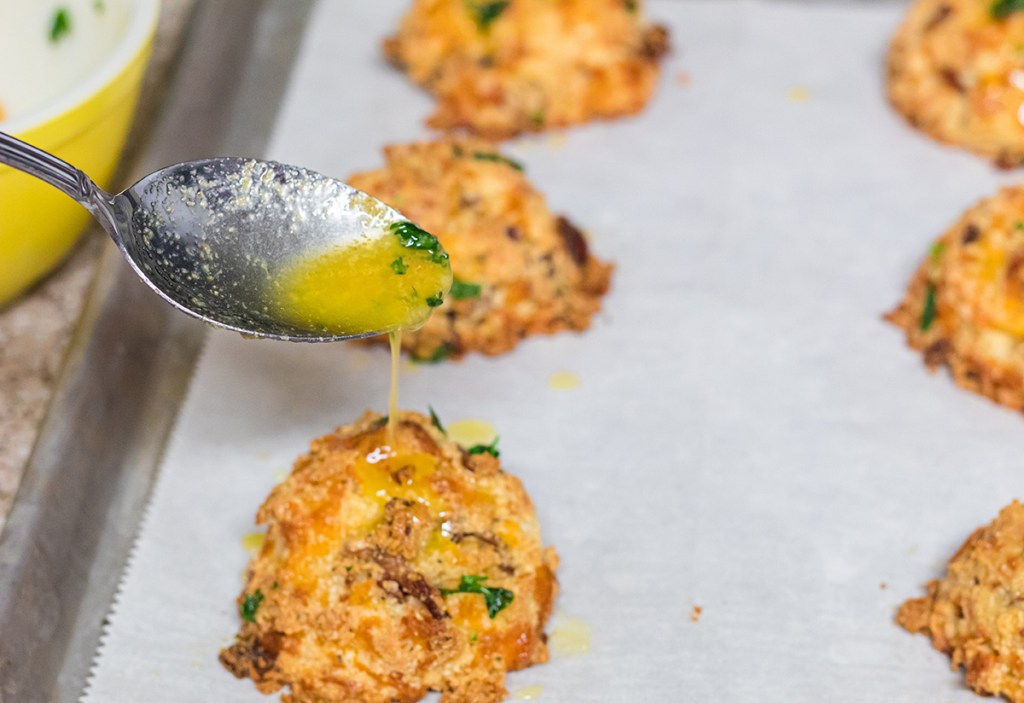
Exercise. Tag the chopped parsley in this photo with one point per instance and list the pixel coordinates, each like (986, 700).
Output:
(630, 5)
(1019, 225)
(497, 158)
(497, 599)
(928, 314)
(1001, 9)
(435, 300)
(413, 237)
(439, 355)
(485, 13)
(399, 267)
(250, 604)
(60, 26)
(491, 448)
(937, 250)
(537, 118)
(461, 290)
(436, 420)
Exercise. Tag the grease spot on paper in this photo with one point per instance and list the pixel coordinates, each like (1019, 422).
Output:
(563, 381)
(570, 637)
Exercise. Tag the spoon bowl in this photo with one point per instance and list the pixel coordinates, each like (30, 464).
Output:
(212, 237)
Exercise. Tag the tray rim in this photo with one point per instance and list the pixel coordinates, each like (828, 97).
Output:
(86, 485)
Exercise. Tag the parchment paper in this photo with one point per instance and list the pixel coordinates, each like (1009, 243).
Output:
(749, 436)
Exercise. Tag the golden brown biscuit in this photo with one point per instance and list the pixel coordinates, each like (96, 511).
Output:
(976, 613)
(965, 304)
(956, 72)
(386, 575)
(505, 67)
(519, 269)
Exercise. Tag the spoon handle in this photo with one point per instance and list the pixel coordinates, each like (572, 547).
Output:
(42, 165)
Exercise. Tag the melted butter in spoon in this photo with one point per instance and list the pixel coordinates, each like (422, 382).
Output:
(382, 283)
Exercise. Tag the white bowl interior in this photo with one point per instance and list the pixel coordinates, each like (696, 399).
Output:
(46, 76)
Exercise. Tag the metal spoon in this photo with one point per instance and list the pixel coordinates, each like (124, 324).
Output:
(208, 236)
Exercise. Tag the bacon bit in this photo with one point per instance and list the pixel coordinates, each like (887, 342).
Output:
(696, 613)
(1015, 272)
(655, 43)
(952, 80)
(939, 17)
(575, 242)
(936, 353)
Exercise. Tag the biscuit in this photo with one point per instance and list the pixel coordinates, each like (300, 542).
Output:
(519, 269)
(501, 68)
(955, 72)
(975, 613)
(964, 308)
(386, 575)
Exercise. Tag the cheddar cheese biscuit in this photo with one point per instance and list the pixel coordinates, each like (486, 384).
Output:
(505, 67)
(956, 72)
(975, 614)
(519, 269)
(394, 568)
(965, 305)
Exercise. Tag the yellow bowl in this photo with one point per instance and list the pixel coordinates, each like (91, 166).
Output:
(85, 123)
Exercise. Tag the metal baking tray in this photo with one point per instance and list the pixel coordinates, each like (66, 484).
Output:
(85, 487)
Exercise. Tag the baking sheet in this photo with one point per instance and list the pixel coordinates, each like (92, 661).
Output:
(748, 437)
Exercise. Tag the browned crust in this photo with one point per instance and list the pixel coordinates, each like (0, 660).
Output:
(975, 614)
(535, 269)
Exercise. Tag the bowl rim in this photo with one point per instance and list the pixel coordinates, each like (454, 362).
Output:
(141, 28)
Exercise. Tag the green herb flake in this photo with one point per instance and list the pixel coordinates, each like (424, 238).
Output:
(462, 290)
(439, 355)
(60, 26)
(1019, 225)
(630, 6)
(937, 250)
(537, 118)
(485, 13)
(491, 448)
(250, 604)
(399, 267)
(497, 158)
(435, 300)
(497, 599)
(348, 568)
(473, 638)
(1001, 9)
(275, 585)
(99, 6)
(413, 237)
(928, 314)
(436, 420)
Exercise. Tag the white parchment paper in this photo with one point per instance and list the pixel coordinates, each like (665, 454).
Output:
(749, 436)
